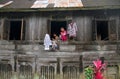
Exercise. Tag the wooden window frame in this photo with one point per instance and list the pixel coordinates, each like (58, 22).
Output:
(22, 26)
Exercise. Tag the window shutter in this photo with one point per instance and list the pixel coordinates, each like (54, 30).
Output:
(94, 32)
(49, 26)
(112, 30)
(6, 29)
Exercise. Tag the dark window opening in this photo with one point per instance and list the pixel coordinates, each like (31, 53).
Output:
(102, 30)
(15, 30)
(56, 25)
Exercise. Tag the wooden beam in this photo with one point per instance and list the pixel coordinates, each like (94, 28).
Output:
(58, 9)
(2, 23)
(22, 29)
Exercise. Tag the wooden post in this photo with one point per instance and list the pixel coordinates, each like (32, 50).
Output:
(22, 29)
(2, 25)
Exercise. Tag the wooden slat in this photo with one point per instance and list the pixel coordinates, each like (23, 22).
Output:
(21, 37)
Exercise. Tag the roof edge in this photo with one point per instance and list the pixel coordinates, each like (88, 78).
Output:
(57, 9)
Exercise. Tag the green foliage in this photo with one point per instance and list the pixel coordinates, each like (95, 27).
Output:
(89, 72)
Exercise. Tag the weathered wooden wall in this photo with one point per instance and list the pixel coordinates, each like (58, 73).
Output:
(54, 68)
(26, 61)
(36, 27)
(40, 25)
(84, 24)
(37, 23)
(1, 27)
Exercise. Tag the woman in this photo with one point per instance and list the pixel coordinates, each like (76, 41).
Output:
(72, 30)
(63, 34)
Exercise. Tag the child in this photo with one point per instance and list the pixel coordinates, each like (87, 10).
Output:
(63, 34)
(47, 42)
(56, 37)
(54, 44)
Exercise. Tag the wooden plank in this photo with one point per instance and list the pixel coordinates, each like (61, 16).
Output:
(2, 24)
(22, 29)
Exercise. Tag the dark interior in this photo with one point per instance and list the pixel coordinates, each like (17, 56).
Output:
(102, 29)
(15, 30)
(56, 25)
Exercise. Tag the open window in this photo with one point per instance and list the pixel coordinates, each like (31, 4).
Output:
(104, 30)
(14, 30)
(56, 25)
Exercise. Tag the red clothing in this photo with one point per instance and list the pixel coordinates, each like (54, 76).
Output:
(63, 35)
(98, 69)
(98, 75)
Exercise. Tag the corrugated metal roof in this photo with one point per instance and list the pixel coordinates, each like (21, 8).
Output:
(89, 3)
(58, 3)
(5, 4)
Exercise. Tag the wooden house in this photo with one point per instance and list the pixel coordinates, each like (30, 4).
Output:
(24, 23)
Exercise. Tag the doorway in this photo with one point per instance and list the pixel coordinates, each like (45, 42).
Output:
(15, 30)
(56, 25)
(102, 30)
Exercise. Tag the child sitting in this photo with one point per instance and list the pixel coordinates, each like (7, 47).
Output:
(54, 44)
(56, 39)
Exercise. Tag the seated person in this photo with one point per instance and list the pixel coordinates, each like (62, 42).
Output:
(56, 37)
(54, 44)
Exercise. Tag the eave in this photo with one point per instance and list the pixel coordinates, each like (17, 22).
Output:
(57, 9)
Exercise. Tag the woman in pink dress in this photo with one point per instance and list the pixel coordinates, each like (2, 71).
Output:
(63, 34)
